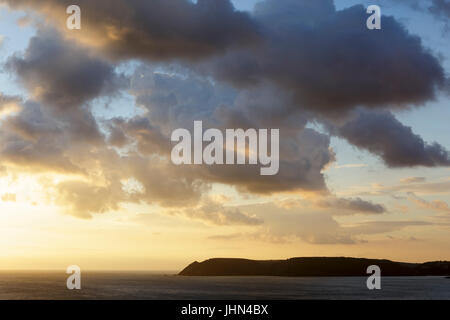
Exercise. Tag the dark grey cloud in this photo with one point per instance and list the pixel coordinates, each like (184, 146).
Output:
(34, 138)
(52, 127)
(139, 131)
(176, 100)
(303, 156)
(440, 8)
(330, 61)
(156, 29)
(383, 135)
(326, 58)
(59, 73)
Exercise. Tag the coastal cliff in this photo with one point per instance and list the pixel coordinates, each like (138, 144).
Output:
(312, 267)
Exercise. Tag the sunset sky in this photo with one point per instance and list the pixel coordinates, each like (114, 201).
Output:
(86, 117)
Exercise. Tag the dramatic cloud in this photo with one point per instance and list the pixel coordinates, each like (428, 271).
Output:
(302, 158)
(176, 101)
(327, 58)
(55, 130)
(382, 134)
(139, 131)
(287, 64)
(157, 29)
(61, 74)
(440, 8)
(33, 138)
(331, 61)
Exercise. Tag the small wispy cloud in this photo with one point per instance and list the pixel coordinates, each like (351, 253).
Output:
(435, 205)
(413, 180)
(350, 165)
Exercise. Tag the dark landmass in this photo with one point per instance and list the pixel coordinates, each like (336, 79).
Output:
(313, 267)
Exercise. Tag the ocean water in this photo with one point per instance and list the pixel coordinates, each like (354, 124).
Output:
(142, 285)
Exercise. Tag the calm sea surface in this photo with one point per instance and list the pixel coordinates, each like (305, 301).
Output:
(140, 285)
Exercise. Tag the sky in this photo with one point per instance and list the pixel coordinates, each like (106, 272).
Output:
(86, 117)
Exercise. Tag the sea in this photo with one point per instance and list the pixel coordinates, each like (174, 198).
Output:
(168, 286)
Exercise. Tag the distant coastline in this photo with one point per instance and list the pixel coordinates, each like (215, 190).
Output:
(313, 267)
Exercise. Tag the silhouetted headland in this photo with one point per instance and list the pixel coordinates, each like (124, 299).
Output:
(313, 267)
